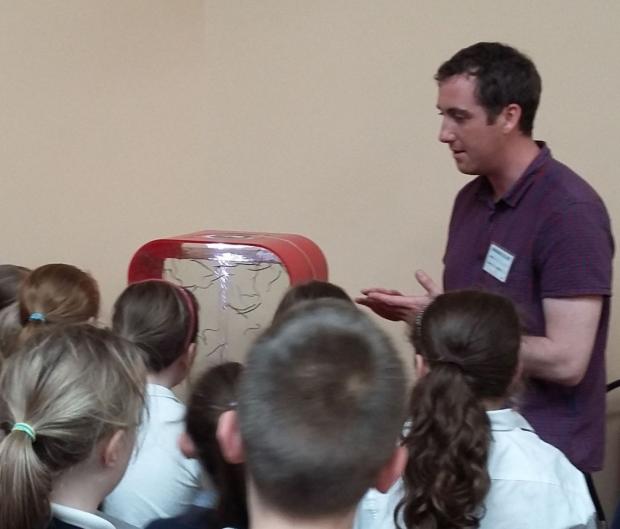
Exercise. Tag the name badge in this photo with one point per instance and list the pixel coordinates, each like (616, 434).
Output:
(498, 262)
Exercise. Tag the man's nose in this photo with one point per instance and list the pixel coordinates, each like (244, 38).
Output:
(445, 133)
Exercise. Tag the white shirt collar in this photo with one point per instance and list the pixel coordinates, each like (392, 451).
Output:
(506, 420)
(155, 390)
(83, 519)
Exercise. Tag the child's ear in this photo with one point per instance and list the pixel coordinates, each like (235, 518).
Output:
(189, 356)
(187, 446)
(114, 448)
(229, 437)
(421, 366)
(392, 469)
(517, 378)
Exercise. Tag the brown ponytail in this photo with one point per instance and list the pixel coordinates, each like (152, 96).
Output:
(56, 294)
(469, 341)
(445, 478)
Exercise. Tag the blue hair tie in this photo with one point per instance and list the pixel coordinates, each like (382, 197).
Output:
(26, 428)
(37, 316)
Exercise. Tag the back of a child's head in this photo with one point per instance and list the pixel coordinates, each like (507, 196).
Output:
(215, 392)
(321, 406)
(56, 294)
(306, 292)
(11, 277)
(158, 316)
(62, 393)
(469, 341)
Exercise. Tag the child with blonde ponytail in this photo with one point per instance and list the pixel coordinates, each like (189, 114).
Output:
(71, 403)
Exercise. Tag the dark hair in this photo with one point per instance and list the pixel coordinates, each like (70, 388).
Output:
(73, 386)
(321, 406)
(214, 393)
(158, 316)
(470, 341)
(504, 76)
(306, 291)
(56, 293)
(11, 277)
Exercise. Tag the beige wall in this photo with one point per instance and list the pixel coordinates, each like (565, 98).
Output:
(122, 121)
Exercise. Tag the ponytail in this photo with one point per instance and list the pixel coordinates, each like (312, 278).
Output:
(446, 478)
(469, 341)
(71, 387)
(56, 294)
(25, 484)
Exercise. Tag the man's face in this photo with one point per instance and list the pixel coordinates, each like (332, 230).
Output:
(475, 144)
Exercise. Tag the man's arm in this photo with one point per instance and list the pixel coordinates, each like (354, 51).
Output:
(563, 355)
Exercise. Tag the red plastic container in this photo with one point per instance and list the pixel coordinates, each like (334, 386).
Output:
(237, 277)
(301, 257)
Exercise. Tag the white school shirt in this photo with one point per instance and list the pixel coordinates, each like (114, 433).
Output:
(86, 520)
(159, 482)
(533, 485)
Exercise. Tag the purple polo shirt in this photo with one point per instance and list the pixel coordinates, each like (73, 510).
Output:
(558, 230)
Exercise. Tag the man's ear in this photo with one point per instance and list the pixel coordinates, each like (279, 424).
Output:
(511, 116)
(392, 469)
(229, 437)
(113, 449)
(187, 446)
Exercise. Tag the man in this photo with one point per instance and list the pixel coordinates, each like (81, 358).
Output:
(531, 229)
(321, 408)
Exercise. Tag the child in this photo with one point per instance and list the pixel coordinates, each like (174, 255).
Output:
(308, 291)
(321, 406)
(473, 461)
(54, 294)
(71, 401)
(214, 393)
(11, 277)
(161, 319)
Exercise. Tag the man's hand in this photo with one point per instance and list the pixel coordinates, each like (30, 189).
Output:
(395, 306)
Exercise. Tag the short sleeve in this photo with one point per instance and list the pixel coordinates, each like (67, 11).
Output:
(574, 252)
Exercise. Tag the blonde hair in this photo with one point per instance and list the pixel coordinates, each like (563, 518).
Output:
(58, 293)
(75, 386)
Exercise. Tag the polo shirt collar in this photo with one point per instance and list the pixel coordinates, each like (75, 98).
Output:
(525, 181)
(83, 519)
(506, 420)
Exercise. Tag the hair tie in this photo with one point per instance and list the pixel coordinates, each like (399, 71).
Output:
(26, 428)
(37, 316)
(451, 363)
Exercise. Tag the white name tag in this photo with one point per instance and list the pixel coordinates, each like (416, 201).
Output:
(498, 262)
